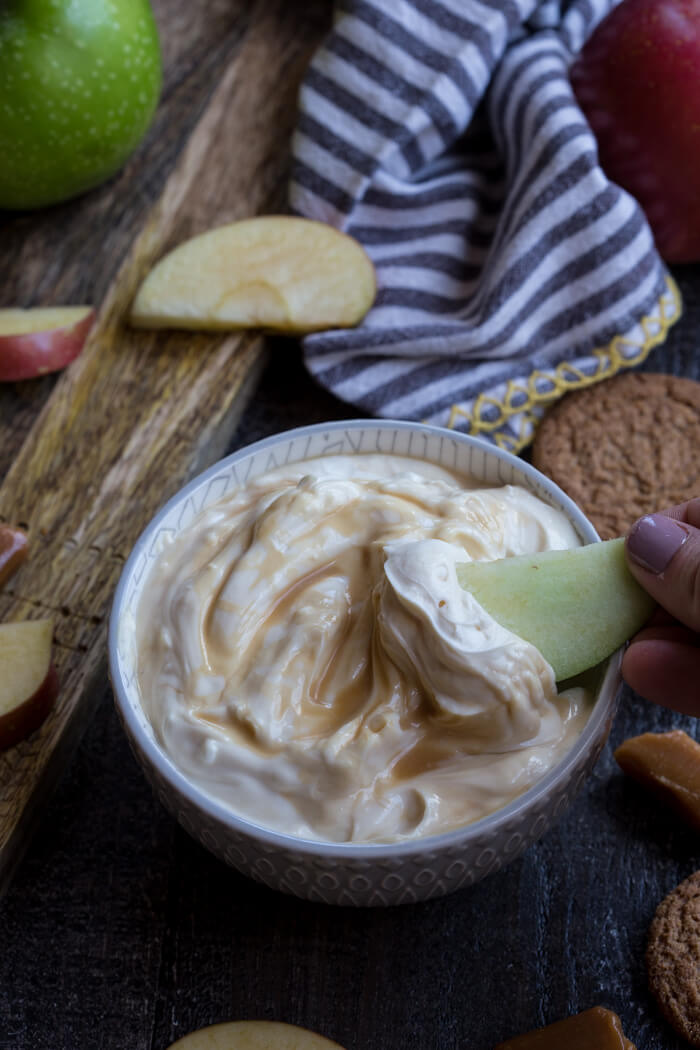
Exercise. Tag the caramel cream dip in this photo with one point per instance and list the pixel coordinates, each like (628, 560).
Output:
(307, 656)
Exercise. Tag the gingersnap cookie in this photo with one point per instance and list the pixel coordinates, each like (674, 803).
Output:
(673, 958)
(623, 448)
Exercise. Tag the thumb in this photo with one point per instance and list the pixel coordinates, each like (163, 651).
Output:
(664, 555)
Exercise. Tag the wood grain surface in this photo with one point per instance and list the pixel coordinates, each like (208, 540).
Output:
(118, 931)
(138, 412)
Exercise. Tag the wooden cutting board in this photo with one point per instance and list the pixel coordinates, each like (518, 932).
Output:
(88, 457)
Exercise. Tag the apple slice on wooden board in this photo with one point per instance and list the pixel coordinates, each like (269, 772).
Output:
(44, 339)
(28, 682)
(275, 272)
(254, 1035)
(14, 547)
(576, 606)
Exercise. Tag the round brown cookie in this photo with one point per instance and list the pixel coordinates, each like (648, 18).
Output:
(673, 958)
(625, 447)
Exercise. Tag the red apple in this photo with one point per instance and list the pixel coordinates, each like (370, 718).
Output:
(33, 342)
(28, 682)
(638, 82)
(13, 551)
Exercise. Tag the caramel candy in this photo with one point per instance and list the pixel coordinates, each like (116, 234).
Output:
(596, 1029)
(668, 764)
(13, 551)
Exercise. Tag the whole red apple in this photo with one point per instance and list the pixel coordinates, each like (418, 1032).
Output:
(638, 82)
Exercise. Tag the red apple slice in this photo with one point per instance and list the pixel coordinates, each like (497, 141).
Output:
(275, 272)
(13, 551)
(28, 682)
(254, 1035)
(44, 339)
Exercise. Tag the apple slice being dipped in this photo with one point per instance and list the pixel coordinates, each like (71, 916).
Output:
(275, 272)
(576, 606)
(44, 339)
(28, 682)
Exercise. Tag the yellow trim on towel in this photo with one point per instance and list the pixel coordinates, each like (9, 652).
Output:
(565, 378)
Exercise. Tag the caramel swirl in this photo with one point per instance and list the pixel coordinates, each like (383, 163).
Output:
(308, 657)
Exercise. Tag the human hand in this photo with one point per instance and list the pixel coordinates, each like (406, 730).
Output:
(662, 662)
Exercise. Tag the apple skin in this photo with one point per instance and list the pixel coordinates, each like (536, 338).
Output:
(637, 80)
(27, 355)
(28, 683)
(79, 82)
(22, 720)
(14, 547)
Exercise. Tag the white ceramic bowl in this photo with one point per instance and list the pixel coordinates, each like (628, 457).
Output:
(331, 872)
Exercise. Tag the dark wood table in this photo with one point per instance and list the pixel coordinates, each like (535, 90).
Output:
(118, 931)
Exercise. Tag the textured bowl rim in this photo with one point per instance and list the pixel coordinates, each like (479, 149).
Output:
(322, 849)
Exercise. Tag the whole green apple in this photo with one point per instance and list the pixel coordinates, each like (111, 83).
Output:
(79, 82)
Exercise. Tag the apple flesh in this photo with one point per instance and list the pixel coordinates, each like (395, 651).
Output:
(275, 272)
(253, 1035)
(576, 606)
(79, 82)
(638, 82)
(28, 683)
(34, 342)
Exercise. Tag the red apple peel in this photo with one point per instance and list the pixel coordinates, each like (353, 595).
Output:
(637, 80)
(35, 342)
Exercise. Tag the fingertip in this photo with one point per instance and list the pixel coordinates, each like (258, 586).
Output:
(653, 541)
(664, 557)
(664, 671)
(692, 512)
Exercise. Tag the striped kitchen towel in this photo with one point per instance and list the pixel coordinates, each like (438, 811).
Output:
(444, 136)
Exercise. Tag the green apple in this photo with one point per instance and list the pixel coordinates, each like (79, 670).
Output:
(79, 82)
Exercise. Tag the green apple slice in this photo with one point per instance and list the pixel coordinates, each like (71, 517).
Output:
(575, 606)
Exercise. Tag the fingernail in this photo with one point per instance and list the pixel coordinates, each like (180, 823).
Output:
(654, 540)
